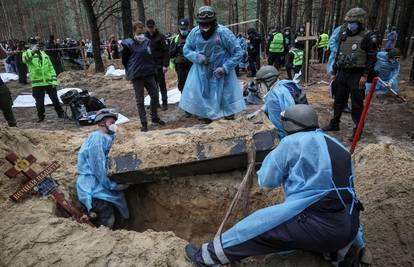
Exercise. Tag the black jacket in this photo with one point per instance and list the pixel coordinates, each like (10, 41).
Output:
(159, 48)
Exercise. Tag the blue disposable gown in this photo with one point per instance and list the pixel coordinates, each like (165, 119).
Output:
(387, 71)
(204, 94)
(391, 37)
(93, 181)
(243, 44)
(277, 100)
(333, 47)
(302, 166)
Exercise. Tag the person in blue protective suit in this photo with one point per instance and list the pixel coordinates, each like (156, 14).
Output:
(391, 38)
(388, 69)
(278, 98)
(212, 90)
(320, 212)
(244, 63)
(95, 190)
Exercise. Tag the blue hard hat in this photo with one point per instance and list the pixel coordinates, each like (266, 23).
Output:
(183, 23)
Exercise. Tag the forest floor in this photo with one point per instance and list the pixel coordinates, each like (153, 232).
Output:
(191, 208)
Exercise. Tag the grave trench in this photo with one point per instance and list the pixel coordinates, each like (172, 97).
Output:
(192, 207)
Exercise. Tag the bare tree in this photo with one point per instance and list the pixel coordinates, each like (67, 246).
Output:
(141, 10)
(96, 20)
(191, 6)
(308, 11)
(126, 18)
(180, 9)
(289, 15)
(407, 9)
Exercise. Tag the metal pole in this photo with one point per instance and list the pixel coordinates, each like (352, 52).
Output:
(363, 115)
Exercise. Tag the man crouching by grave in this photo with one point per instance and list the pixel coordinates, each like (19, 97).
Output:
(212, 90)
(101, 196)
(320, 212)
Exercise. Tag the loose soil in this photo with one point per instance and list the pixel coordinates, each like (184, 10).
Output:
(167, 214)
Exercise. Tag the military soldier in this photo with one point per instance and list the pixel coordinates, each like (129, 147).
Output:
(354, 61)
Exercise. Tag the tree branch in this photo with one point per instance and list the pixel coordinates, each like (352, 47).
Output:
(108, 16)
(98, 15)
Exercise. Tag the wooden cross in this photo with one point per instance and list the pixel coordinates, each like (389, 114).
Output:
(307, 38)
(23, 165)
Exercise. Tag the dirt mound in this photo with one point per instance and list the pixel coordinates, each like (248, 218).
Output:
(385, 185)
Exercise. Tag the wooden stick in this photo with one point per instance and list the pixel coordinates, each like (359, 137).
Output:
(251, 156)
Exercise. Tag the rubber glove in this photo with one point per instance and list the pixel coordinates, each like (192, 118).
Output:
(202, 59)
(219, 72)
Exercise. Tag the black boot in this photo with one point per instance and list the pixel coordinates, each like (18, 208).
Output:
(144, 127)
(40, 119)
(331, 127)
(189, 254)
(231, 117)
(164, 107)
(158, 121)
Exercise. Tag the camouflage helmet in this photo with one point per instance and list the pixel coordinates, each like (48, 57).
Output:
(267, 74)
(105, 113)
(356, 14)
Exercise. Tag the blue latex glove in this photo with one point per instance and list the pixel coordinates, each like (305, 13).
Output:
(202, 59)
(219, 72)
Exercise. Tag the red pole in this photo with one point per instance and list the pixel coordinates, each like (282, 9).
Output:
(363, 115)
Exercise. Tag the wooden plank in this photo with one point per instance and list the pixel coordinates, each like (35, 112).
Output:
(27, 187)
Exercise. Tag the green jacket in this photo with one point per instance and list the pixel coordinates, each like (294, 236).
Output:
(277, 44)
(40, 68)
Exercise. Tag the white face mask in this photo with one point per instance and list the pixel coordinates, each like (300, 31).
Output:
(112, 128)
(140, 38)
(183, 32)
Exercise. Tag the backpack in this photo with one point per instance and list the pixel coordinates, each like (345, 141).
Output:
(298, 95)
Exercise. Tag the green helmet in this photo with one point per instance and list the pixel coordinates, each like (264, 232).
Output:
(105, 113)
(356, 14)
(299, 118)
(206, 14)
(267, 74)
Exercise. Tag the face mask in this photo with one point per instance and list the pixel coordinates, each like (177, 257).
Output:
(140, 38)
(352, 26)
(183, 32)
(112, 129)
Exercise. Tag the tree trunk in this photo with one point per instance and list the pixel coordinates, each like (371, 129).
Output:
(373, 14)
(191, 5)
(141, 10)
(263, 15)
(308, 11)
(383, 18)
(321, 16)
(236, 14)
(394, 13)
(180, 9)
(126, 18)
(289, 15)
(338, 4)
(403, 26)
(412, 72)
(96, 41)
(258, 14)
(294, 14)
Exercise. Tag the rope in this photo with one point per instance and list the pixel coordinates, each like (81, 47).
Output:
(244, 185)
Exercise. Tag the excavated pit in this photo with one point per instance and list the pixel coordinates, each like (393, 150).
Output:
(192, 207)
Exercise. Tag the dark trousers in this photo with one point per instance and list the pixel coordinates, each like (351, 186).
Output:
(182, 70)
(253, 66)
(39, 95)
(290, 67)
(276, 59)
(311, 230)
(347, 83)
(107, 214)
(321, 55)
(149, 83)
(6, 103)
(160, 80)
